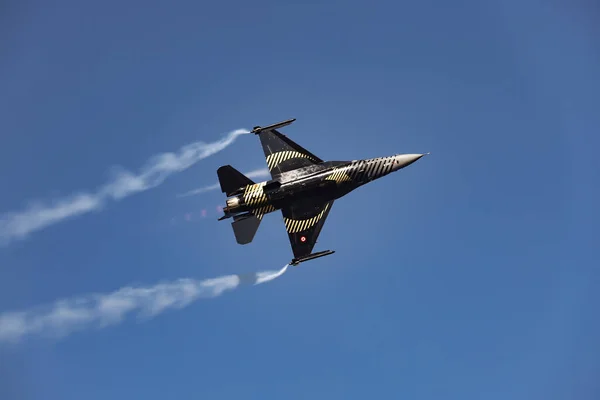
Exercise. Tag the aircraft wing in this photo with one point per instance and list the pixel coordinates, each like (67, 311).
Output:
(303, 223)
(283, 154)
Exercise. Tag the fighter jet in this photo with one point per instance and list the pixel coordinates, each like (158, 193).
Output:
(303, 187)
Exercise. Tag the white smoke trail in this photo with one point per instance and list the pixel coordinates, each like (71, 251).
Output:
(266, 276)
(18, 225)
(101, 310)
(257, 173)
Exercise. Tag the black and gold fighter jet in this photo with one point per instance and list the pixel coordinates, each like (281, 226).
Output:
(303, 187)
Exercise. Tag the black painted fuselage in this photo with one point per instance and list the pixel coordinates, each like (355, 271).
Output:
(303, 186)
(313, 184)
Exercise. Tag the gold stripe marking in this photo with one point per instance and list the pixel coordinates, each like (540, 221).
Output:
(254, 194)
(277, 158)
(294, 225)
(339, 175)
(261, 211)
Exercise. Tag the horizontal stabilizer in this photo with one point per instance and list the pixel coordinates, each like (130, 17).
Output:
(231, 179)
(245, 227)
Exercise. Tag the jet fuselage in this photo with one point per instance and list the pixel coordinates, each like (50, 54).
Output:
(314, 184)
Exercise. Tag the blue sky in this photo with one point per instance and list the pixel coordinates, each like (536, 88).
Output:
(470, 274)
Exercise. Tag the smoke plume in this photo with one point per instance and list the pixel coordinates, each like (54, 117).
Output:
(257, 173)
(18, 225)
(102, 310)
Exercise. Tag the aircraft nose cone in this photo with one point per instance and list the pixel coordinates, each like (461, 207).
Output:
(404, 160)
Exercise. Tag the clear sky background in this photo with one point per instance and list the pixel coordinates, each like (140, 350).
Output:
(471, 274)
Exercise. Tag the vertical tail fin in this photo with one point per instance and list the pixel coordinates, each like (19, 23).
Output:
(231, 179)
(245, 227)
